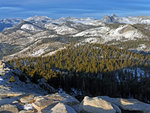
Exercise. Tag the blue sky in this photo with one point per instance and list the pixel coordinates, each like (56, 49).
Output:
(73, 8)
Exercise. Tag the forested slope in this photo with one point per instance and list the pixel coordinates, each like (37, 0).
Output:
(92, 69)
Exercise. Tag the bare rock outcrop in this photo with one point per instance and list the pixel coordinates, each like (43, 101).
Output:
(64, 103)
(28, 98)
(42, 102)
(8, 108)
(96, 105)
(59, 108)
(132, 105)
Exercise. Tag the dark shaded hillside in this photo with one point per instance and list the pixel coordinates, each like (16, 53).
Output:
(6, 23)
(7, 49)
(3, 25)
(92, 69)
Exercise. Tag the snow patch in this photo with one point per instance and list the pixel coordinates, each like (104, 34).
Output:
(64, 30)
(28, 107)
(141, 47)
(130, 34)
(91, 40)
(30, 27)
(96, 32)
(38, 53)
(1, 79)
(54, 52)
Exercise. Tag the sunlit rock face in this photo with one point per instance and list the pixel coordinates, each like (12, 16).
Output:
(131, 105)
(8, 108)
(96, 105)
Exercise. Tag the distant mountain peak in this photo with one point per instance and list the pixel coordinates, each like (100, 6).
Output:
(128, 20)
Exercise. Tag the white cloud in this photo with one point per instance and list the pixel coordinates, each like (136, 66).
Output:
(10, 8)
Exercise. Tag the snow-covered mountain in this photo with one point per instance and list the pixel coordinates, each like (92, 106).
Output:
(127, 20)
(123, 32)
(41, 35)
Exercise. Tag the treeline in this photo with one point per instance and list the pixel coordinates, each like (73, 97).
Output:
(92, 69)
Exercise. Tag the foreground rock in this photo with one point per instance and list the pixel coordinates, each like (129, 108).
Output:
(29, 103)
(42, 102)
(24, 111)
(64, 103)
(131, 105)
(27, 98)
(64, 98)
(59, 108)
(96, 105)
(8, 108)
(3, 69)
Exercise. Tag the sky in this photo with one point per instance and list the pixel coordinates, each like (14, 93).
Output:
(73, 8)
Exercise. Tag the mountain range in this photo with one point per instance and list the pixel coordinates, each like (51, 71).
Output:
(43, 36)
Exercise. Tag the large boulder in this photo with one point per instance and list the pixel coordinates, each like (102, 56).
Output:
(96, 105)
(42, 102)
(64, 98)
(8, 108)
(24, 111)
(8, 100)
(28, 98)
(6, 92)
(131, 105)
(118, 110)
(7, 96)
(59, 108)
